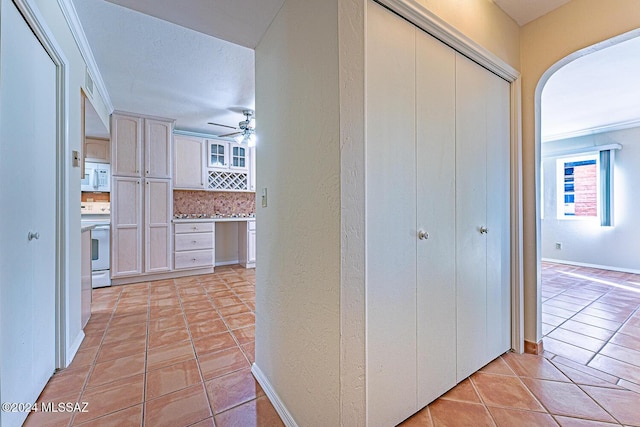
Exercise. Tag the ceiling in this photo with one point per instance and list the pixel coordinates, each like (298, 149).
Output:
(193, 61)
(525, 11)
(593, 92)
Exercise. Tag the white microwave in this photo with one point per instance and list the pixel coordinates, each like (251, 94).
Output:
(97, 177)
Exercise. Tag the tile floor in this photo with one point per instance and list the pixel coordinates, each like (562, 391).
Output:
(591, 317)
(167, 353)
(178, 353)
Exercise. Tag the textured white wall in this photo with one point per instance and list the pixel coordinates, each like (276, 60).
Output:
(298, 160)
(585, 241)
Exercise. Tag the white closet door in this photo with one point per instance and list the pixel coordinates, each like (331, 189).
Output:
(482, 216)
(436, 287)
(390, 218)
(498, 219)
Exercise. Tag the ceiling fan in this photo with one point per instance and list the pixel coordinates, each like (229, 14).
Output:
(246, 129)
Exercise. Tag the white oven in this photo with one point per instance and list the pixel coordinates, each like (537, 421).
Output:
(98, 215)
(100, 243)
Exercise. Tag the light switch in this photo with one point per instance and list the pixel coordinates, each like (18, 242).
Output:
(264, 197)
(76, 158)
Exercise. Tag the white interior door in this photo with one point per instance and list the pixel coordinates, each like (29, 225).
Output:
(482, 216)
(436, 292)
(28, 205)
(390, 218)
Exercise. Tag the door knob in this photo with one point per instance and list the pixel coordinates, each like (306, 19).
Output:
(484, 230)
(32, 236)
(423, 235)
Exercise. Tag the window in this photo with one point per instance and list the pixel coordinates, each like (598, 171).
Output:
(584, 186)
(239, 159)
(217, 155)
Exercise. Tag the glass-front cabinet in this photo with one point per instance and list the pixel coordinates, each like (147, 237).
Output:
(218, 154)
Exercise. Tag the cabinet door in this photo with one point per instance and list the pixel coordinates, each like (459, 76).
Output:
(126, 226)
(251, 242)
(157, 225)
(157, 148)
(97, 150)
(189, 162)
(391, 218)
(436, 168)
(126, 141)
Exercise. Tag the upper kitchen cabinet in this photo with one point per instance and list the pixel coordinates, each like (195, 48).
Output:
(189, 162)
(126, 134)
(97, 150)
(135, 138)
(212, 164)
(157, 148)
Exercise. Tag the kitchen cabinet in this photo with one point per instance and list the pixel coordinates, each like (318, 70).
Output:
(85, 275)
(97, 150)
(438, 251)
(189, 162)
(247, 244)
(194, 245)
(142, 203)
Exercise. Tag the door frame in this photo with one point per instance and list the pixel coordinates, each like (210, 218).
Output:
(426, 20)
(37, 23)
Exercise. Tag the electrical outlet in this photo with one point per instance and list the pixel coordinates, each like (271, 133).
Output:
(558, 246)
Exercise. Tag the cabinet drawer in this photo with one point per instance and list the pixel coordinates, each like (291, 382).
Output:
(194, 227)
(194, 259)
(193, 241)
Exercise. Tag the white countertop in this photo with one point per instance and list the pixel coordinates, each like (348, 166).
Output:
(87, 227)
(188, 220)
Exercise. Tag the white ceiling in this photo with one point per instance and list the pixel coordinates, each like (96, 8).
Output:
(151, 66)
(525, 11)
(157, 67)
(593, 92)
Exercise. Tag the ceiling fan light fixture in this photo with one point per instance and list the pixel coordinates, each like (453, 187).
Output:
(251, 139)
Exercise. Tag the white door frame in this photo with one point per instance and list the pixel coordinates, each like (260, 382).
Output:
(36, 22)
(441, 30)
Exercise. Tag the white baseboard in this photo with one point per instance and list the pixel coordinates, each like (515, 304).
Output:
(221, 263)
(73, 348)
(279, 406)
(583, 264)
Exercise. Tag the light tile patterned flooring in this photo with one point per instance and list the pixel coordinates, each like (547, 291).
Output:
(590, 375)
(166, 353)
(178, 353)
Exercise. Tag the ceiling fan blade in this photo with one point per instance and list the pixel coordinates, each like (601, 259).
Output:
(229, 134)
(220, 124)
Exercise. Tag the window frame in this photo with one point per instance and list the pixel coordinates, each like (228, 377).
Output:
(561, 190)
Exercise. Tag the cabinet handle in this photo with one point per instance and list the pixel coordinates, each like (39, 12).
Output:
(423, 235)
(194, 242)
(484, 230)
(194, 228)
(32, 236)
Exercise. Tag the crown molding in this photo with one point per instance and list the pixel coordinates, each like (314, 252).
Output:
(73, 21)
(592, 130)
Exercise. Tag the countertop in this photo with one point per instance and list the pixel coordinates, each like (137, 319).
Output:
(87, 227)
(188, 220)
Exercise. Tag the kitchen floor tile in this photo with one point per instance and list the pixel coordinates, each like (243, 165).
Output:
(511, 418)
(463, 392)
(169, 354)
(160, 338)
(207, 328)
(111, 397)
(116, 369)
(256, 413)
(213, 343)
(180, 408)
(451, 413)
(172, 378)
(419, 419)
(231, 390)
(624, 405)
(126, 417)
(214, 365)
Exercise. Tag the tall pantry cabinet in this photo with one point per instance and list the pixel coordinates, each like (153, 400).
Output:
(437, 217)
(141, 197)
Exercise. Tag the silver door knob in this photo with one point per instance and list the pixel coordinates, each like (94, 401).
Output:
(32, 236)
(423, 235)
(484, 230)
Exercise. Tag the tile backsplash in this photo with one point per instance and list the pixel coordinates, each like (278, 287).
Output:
(212, 202)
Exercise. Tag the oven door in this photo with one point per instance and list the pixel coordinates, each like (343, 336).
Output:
(100, 248)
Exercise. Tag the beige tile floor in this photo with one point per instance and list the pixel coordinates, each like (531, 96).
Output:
(178, 353)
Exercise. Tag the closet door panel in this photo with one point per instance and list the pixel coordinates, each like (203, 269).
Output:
(436, 287)
(471, 207)
(498, 224)
(390, 218)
